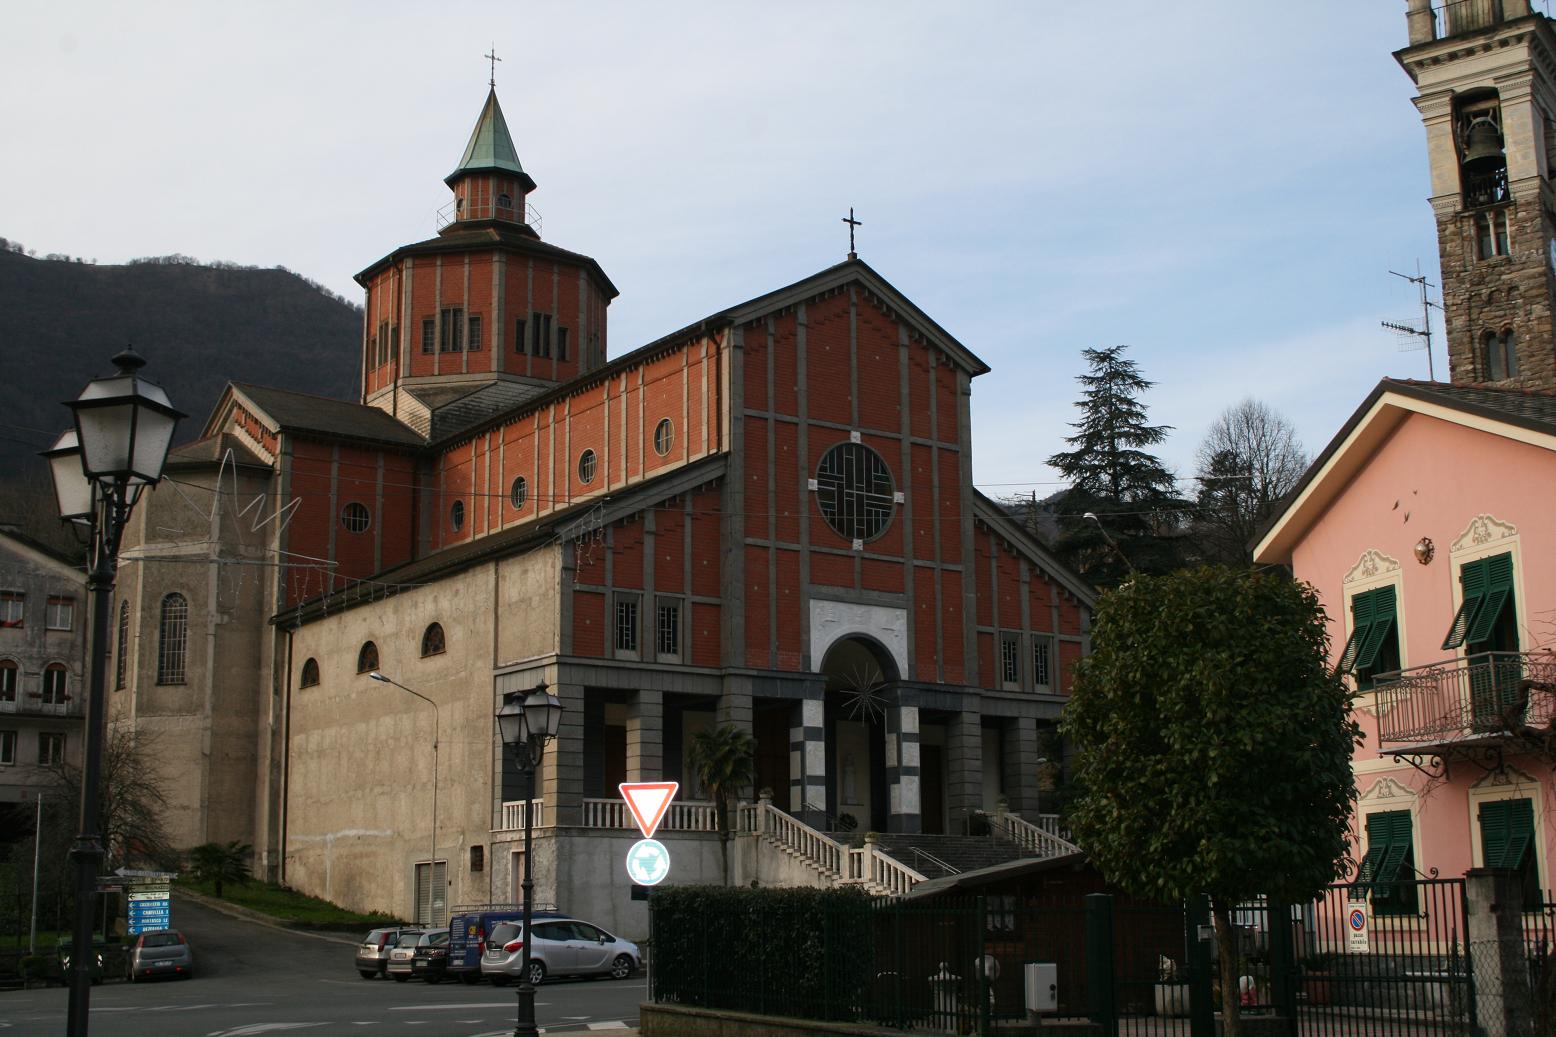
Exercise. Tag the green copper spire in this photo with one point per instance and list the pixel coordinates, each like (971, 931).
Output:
(491, 147)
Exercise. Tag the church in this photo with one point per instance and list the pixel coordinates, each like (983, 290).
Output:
(764, 519)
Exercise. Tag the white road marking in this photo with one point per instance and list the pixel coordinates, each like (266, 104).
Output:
(615, 1024)
(457, 1008)
(258, 1028)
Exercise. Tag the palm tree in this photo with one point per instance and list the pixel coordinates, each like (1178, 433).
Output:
(725, 761)
(220, 862)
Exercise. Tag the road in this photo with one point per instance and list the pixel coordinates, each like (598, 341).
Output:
(251, 979)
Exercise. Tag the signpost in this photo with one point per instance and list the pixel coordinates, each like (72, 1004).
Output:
(648, 862)
(1356, 925)
(149, 909)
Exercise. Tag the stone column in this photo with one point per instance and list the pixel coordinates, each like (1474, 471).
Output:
(902, 770)
(645, 738)
(1494, 931)
(560, 776)
(1018, 738)
(1418, 20)
(964, 763)
(808, 761)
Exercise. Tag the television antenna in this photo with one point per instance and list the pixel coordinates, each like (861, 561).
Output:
(1417, 337)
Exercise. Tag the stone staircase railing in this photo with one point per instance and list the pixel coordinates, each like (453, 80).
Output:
(818, 850)
(877, 872)
(1043, 840)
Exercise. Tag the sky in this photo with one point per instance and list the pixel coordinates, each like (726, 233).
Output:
(1222, 185)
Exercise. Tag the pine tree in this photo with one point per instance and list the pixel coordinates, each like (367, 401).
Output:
(1114, 477)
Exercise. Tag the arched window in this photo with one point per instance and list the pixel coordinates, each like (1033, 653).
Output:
(432, 640)
(586, 467)
(56, 681)
(124, 637)
(173, 640)
(310, 674)
(519, 493)
(456, 515)
(8, 673)
(367, 658)
(504, 201)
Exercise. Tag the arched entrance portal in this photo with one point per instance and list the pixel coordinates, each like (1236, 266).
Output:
(861, 680)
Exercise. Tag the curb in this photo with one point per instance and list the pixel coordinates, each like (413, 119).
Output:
(258, 918)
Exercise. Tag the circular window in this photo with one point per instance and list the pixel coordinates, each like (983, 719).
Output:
(519, 494)
(586, 467)
(664, 437)
(355, 517)
(854, 490)
(456, 514)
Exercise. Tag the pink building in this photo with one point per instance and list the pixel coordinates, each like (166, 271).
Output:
(1428, 526)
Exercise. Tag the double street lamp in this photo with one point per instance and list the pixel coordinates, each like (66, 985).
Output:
(527, 721)
(123, 427)
(432, 859)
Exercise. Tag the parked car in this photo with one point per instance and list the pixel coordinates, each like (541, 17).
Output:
(467, 931)
(62, 960)
(160, 952)
(373, 953)
(431, 960)
(561, 947)
(402, 955)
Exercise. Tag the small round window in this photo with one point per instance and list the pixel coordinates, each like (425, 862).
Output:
(664, 437)
(854, 490)
(586, 467)
(456, 515)
(355, 518)
(519, 494)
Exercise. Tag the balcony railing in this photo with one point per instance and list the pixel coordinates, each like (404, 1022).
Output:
(1474, 698)
(473, 210)
(1486, 189)
(32, 703)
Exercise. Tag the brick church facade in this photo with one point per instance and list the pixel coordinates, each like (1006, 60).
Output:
(765, 519)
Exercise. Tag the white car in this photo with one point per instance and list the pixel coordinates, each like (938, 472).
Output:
(561, 947)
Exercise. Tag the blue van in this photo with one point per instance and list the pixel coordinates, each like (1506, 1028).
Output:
(467, 931)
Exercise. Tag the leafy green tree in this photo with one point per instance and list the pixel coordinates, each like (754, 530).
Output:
(1213, 743)
(219, 863)
(1248, 461)
(724, 759)
(1115, 477)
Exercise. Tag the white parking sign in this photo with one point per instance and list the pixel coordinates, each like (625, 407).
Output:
(1357, 922)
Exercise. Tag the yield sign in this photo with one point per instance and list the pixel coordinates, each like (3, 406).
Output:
(648, 801)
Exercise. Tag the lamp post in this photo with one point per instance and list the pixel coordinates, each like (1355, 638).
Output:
(123, 428)
(526, 725)
(437, 723)
(1091, 516)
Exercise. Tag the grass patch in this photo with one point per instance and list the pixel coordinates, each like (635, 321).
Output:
(288, 905)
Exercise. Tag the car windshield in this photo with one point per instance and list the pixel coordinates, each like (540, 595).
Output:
(161, 940)
(408, 939)
(440, 940)
(377, 936)
(502, 932)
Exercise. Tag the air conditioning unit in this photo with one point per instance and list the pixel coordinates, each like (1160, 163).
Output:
(1041, 981)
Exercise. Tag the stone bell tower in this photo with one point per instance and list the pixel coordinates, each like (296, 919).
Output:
(1485, 72)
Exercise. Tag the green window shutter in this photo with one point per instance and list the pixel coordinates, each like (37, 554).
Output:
(1361, 627)
(1494, 827)
(1382, 626)
(1520, 831)
(1472, 577)
(1499, 587)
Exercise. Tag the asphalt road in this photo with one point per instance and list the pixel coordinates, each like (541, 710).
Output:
(251, 979)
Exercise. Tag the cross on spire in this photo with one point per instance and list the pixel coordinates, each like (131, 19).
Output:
(852, 223)
(494, 59)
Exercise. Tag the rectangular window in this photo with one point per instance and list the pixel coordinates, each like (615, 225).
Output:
(518, 335)
(51, 748)
(7, 748)
(61, 614)
(627, 624)
(431, 893)
(429, 335)
(540, 334)
(393, 352)
(667, 628)
(1373, 646)
(12, 604)
(1507, 841)
(1000, 911)
(1388, 870)
(451, 328)
(561, 343)
(1010, 662)
(1491, 234)
(381, 345)
(55, 683)
(473, 339)
(8, 672)
(1042, 663)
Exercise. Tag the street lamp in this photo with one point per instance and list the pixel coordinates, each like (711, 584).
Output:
(526, 726)
(1091, 516)
(437, 723)
(123, 428)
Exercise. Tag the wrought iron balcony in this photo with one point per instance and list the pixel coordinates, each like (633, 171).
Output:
(1478, 699)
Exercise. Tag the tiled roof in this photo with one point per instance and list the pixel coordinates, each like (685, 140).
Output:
(212, 449)
(1526, 406)
(304, 412)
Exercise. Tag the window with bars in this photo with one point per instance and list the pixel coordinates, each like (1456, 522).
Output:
(1010, 662)
(8, 675)
(51, 748)
(7, 748)
(1042, 663)
(586, 466)
(60, 613)
(667, 628)
(518, 493)
(429, 335)
(355, 517)
(1507, 841)
(626, 625)
(122, 659)
(473, 333)
(1387, 872)
(854, 490)
(56, 682)
(173, 640)
(13, 604)
(1373, 646)
(451, 330)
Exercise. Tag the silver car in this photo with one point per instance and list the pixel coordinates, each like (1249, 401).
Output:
(373, 953)
(402, 957)
(561, 947)
(161, 952)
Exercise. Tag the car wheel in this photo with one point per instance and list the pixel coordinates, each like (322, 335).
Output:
(537, 973)
(367, 973)
(399, 978)
(622, 967)
(434, 978)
